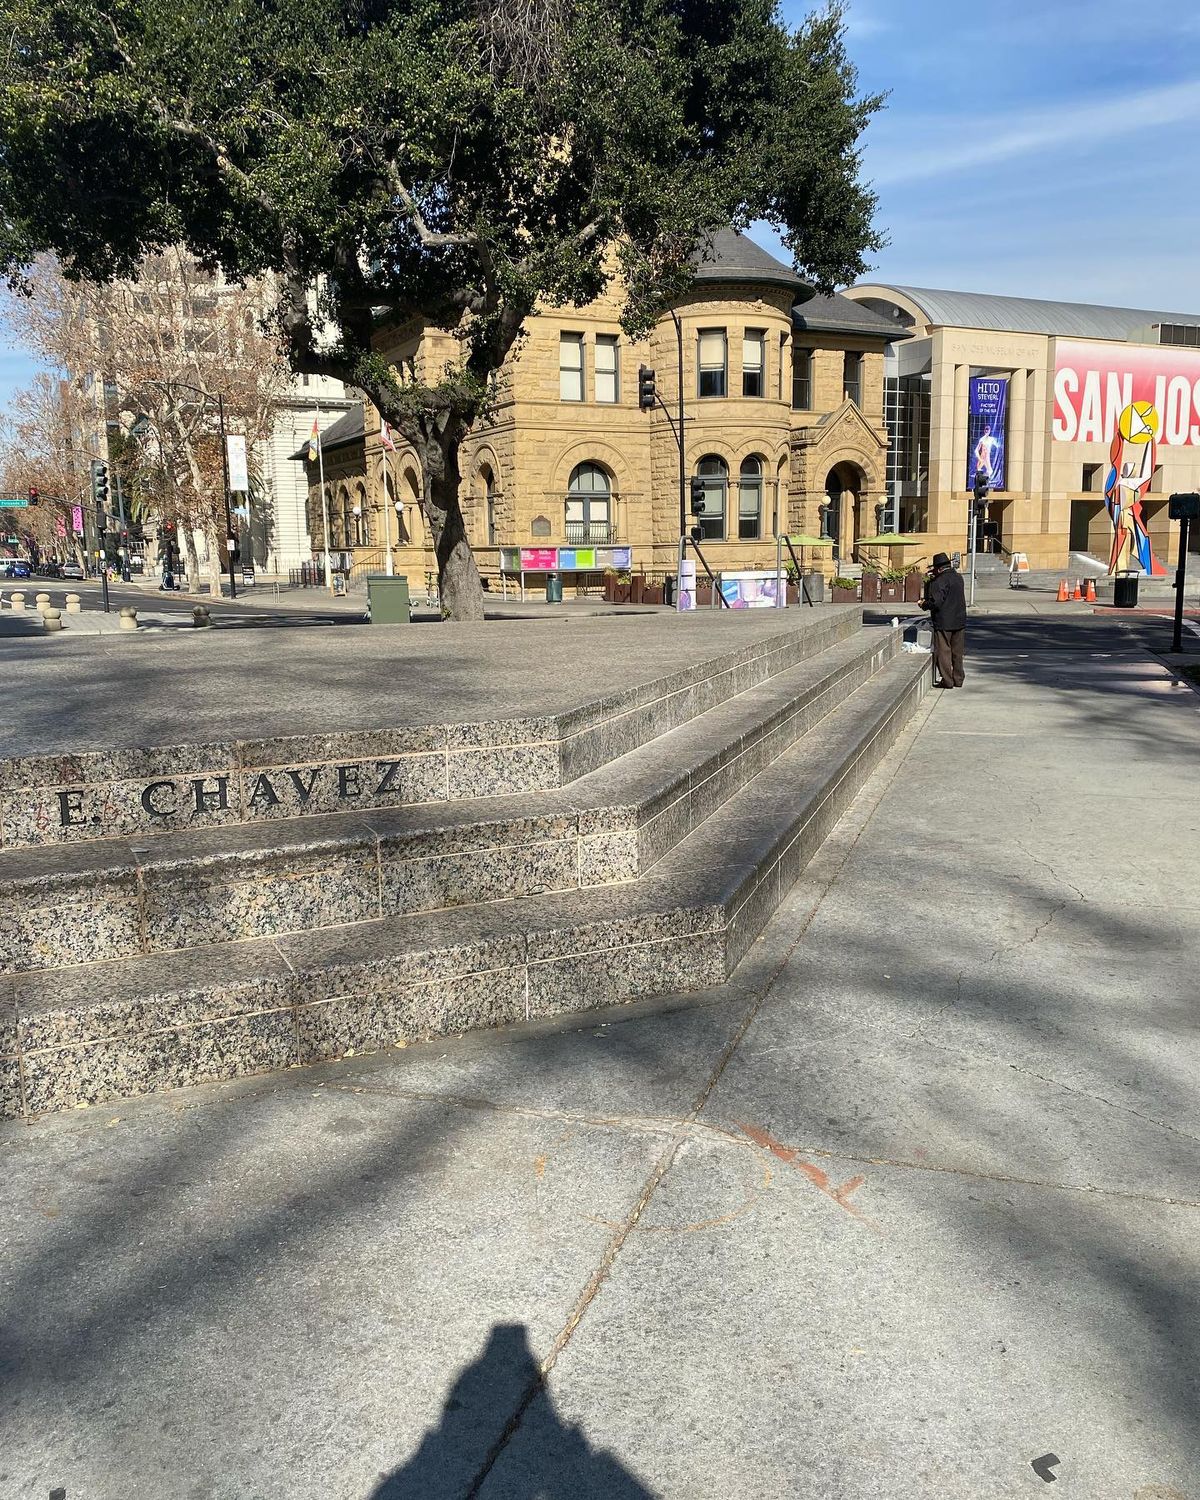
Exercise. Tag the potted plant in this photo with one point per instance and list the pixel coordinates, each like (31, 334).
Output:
(652, 593)
(914, 583)
(891, 585)
(870, 582)
(844, 590)
(637, 587)
(610, 585)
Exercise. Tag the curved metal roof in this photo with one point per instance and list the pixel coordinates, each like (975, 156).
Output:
(1085, 320)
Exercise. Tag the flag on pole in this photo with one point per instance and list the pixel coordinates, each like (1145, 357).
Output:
(386, 438)
(314, 440)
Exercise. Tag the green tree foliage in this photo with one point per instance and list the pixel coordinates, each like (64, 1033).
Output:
(445, 162)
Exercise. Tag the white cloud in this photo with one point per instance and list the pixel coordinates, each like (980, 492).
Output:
(923, 148)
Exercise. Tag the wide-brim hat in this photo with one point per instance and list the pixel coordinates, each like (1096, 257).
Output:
(941, 560)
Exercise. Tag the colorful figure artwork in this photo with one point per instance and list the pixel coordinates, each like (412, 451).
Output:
(1132, 455)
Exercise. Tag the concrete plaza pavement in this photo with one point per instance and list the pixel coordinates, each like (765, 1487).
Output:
(909, 1209)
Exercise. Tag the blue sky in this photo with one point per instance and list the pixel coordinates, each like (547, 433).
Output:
(1044, 150)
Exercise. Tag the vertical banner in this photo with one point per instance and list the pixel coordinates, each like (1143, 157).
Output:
(239, 478)
(986, 413)
(77, 519)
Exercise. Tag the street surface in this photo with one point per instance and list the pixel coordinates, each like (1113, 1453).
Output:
(910, 1209)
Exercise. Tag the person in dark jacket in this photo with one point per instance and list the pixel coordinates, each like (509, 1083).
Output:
(946, 600)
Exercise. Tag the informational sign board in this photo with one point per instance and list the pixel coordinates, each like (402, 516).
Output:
(239, 476)
(986, 412)
(750, 590)
(564, 559)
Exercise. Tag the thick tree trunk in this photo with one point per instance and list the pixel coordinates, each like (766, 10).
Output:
(459, 584)
(193, 562)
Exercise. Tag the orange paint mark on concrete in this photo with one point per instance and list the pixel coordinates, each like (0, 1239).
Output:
(818, 1178)
(539, 1166)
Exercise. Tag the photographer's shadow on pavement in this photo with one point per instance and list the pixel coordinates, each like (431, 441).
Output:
(547, 1459)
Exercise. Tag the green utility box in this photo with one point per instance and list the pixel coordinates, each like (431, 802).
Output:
(387, 600)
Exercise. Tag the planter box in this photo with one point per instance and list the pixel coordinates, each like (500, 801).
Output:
(870, 588)
(637, 588)
(652, 593)
(844, 596)
(914, 583)
(704, 594)
(891, 591)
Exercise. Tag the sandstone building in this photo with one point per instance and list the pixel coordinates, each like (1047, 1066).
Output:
(784, 421)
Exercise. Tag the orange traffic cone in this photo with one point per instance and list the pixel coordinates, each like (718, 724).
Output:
(1063, 596)
(1090, 596)
(1078, 594)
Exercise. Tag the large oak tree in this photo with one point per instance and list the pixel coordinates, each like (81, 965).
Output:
(444, 162)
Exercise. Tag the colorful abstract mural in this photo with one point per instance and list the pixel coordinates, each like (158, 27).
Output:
(1132, 468)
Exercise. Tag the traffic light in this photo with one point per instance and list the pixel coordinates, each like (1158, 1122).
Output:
(981, 487)
(100, 484)
(33, 494)
(647, 394)
(698, 496)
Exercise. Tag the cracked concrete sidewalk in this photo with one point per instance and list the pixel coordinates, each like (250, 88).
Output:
(911, 1209)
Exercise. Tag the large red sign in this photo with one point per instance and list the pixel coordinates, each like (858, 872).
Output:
(1094, 382)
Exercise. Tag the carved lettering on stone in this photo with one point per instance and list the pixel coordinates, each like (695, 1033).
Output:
(304, 791)
(389, 769)
(349, 781)
(151, 805)
(70, 809)
(204, 797)
(264, 792)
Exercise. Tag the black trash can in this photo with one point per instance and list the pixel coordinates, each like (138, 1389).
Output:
(1125, 591)
(553, 589)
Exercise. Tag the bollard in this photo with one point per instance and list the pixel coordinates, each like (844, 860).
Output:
(41, 602)
(201, 616)
(52, 618)
(18, 603)
(74, 604)
(129, 618)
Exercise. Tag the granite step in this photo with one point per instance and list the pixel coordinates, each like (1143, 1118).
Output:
(95, 1032)
(116, 899)
(77, 796)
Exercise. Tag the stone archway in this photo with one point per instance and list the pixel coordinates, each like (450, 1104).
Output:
(846, 512)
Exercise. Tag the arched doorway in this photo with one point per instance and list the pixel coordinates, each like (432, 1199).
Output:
(842, 514)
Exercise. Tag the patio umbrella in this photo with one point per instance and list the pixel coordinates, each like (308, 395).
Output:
(804, 540)
(890, 539)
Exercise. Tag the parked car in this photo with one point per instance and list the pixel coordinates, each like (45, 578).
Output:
(48, 568)
(14, 567)
(71, 570)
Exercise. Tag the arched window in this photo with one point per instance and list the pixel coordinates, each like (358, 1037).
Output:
(714, 471)
(345, 519)
(750, 500)
(589, 506)
(487, 492)
(362, 522)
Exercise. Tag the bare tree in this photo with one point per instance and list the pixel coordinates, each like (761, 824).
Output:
(157, 352)
(42, 451)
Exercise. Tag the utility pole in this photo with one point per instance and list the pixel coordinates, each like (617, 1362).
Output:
(124, 526)
(1184, 509)
(979, 497)
(229, 542)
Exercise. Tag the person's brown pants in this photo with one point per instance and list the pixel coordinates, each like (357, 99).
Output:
(948, 653)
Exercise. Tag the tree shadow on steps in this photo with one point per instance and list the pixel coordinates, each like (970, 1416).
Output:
(497, 1394)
